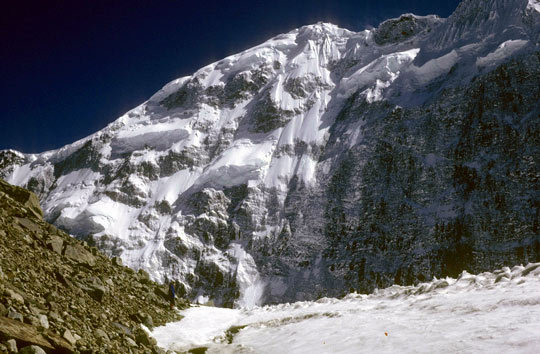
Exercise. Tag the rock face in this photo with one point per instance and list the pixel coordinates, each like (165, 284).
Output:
(404, 27)
(319, 162)
(61, 295)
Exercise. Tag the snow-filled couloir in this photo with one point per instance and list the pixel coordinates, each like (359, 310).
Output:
(246, 181)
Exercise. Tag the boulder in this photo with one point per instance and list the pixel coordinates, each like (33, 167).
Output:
(144, 276)
(101, 335)
(95, 291)
(14, 315)
(62, 279)
(80, 255)
(43, 321)
(141, 337)
(31, 320)
(69, 337)
(56, 244)
(22, 333)
(29, 225)
(12, 346)
(123, 329)
(15, 296)
(32, 349)
(144, 318)
(55, 317)
(130, 342)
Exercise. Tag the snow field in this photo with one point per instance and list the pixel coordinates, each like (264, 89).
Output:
(495, 312)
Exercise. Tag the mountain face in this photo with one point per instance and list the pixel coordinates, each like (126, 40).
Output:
(319, 162)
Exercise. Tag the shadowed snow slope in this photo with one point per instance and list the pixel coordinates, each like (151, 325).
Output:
(322, 160)
(486, 313)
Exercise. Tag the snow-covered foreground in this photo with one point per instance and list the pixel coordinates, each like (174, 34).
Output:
(495, 312)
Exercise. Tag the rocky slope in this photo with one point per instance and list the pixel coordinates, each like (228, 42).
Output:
(61, 295)
(320, 161)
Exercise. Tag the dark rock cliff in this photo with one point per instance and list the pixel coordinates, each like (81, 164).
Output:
(429, 191)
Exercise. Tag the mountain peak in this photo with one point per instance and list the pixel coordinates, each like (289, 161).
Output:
(321, 28)
(278, 142)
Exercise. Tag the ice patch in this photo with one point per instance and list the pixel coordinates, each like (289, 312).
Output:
(247, 277)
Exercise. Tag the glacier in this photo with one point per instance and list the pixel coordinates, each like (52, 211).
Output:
(265, 177)
(483, 313)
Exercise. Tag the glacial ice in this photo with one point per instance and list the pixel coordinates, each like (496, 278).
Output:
(486, 313)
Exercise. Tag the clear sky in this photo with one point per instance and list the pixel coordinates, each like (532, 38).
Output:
(68, 68)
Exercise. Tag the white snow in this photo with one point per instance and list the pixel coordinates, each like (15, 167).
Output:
(169, 88)
(435, 67)
(534, 4)
(378, 74)
(486, 313)
(240, 163)
(115, 217)
(502, 52)
(249, 282)
(195, 329)
(170, 188)
(243, 152)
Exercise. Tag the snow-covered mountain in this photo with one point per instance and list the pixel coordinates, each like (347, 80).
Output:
(320, 161)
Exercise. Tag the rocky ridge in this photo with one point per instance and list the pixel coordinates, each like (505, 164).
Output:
(62, 296)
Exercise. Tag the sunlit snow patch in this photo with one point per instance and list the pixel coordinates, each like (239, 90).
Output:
(241, 162)
(489, 313)
(534, 4)
(377, 75)
(247, 277)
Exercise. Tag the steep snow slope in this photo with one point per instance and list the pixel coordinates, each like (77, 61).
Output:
(534, 5)
(239, 181)
(485, 313)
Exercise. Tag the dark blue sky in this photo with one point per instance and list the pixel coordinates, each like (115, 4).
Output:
(69, 68)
